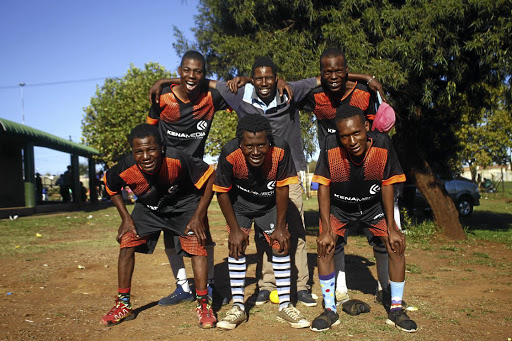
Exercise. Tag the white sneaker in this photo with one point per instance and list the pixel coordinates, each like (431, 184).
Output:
(341, 297)
(234, 317)
(293, 316)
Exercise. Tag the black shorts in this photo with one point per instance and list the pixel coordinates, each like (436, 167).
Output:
(149, 224)
(264, 224)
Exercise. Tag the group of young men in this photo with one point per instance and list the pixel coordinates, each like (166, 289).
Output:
(257, 182)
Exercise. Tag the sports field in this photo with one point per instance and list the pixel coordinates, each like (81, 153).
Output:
(59, 273)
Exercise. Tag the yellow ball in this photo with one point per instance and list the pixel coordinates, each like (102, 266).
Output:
(274, 297)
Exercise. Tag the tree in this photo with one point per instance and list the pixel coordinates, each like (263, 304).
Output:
(118, 106)
(435, 58)
(487, 140)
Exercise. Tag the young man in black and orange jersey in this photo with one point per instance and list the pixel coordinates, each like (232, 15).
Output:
(334, 91)
(253, 177)
(173, 193)
(184, 115)
(356, 171)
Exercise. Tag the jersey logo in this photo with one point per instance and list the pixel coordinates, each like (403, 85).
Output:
(331, 131)
(201, 125)
(271, 229)
(271, 185)
(378, 216)
(374, 189)
(172, 189)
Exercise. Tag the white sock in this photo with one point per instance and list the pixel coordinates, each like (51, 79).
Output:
(381, 258)
(339, 264)
(178, 268)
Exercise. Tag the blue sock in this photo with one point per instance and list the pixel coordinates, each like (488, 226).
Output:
(327, 284)
(397, 292)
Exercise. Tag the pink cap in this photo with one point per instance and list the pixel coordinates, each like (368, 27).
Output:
(384, 118)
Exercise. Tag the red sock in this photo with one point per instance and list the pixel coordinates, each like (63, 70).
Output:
(201, 293)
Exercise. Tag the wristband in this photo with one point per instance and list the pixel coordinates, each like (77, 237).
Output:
(370, 80)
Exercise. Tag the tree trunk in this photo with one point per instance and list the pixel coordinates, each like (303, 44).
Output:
(445, 213)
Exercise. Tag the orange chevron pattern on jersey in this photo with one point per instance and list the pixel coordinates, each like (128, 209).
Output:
(325, 107)
(360, 99)
(237, 160)
(170, 108)
(338, 165)
(337, 226)
(272, 161)
(203, 109)
(170, 174)
(133, 178)
(375, 163)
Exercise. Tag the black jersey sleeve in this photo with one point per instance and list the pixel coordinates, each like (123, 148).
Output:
(218, 101)
(322, 173)
(286, 173)
(224, 175)
(113, 181)
(196, 169)
(393, 172)
(308, 103)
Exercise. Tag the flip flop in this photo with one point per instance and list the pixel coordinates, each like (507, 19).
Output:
(355, 307)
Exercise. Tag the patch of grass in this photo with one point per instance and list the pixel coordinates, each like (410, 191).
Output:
(445, 269)
(450, 248)
(481, 255)
(422, 232)
(412, 268)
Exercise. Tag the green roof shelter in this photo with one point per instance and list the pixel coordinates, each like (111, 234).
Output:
(17, 171)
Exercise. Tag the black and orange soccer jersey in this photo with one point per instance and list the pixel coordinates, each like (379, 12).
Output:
(186, 125)
(252, 189)
(174, 187)
(355, 187)
(324, 104)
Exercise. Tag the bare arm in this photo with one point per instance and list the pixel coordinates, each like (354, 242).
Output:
(237, 239)
(395, 238)
(127, 223)
(156, 89)
(281, 233)
(196, 223)
(325, 241)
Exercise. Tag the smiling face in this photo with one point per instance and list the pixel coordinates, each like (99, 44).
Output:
(255, 147)
(147, 153)
(334, 74)
(191, 74)
(352, 133)
(265, 83)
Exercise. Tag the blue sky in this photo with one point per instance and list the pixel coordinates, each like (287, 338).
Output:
(56, 41)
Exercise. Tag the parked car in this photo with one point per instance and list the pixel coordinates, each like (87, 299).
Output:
(463, 192)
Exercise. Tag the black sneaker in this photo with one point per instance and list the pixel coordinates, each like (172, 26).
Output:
(399, 319)
(263, 297)
(325, 320)
(384, 297)
(304, 297)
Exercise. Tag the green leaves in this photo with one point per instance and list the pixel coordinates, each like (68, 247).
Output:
(118, 106)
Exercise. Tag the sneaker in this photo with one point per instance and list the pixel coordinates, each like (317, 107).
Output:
(213, 292)
(233, 318)
(119, 313)
(384, 297)
(399, 319)
(292, 315)
(341, 297)
(325, 320)
(304, 297)
(205, 314)
(179, 295)
(263, 297)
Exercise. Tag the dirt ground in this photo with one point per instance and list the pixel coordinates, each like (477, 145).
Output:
(463, 291)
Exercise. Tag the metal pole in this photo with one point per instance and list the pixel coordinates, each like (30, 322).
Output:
(22, 84)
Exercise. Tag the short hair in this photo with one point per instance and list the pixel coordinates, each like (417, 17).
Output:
(253, 123)
(196, 56)
(332, 52)
(264, 61)
(144, 130)
(347, 111)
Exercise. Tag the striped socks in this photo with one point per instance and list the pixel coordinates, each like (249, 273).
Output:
(237, 269)
(281, 266)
